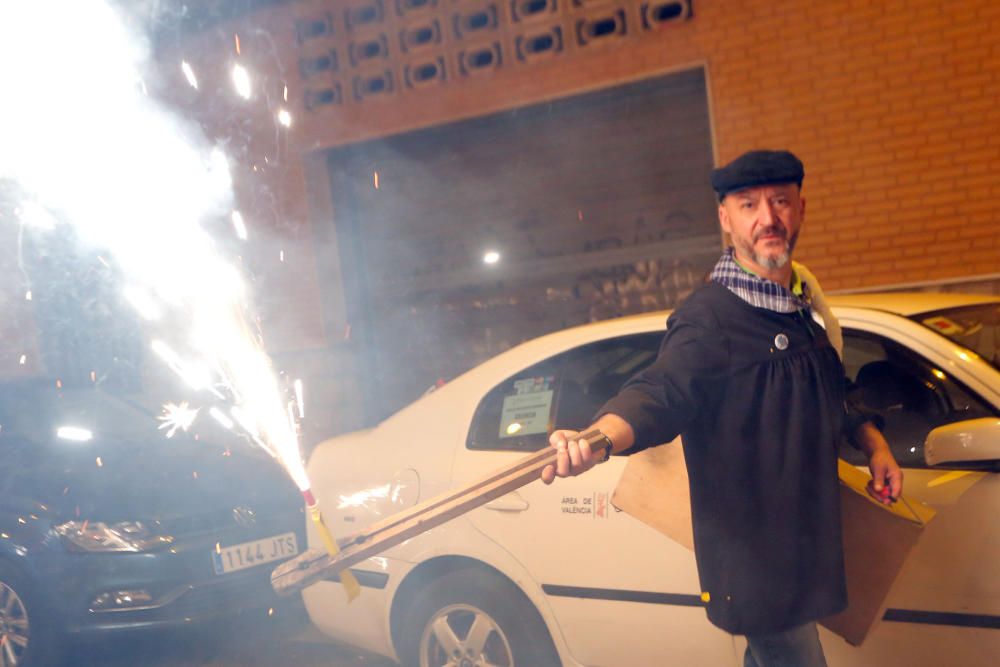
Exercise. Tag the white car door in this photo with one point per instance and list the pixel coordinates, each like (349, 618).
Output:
(622, 593)
(945, 606)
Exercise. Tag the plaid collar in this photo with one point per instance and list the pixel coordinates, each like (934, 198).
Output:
(758, 292)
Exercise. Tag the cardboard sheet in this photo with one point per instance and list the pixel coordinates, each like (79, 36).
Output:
(654, 489)
(877, 538)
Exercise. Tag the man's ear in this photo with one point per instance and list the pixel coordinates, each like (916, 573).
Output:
(724, 219)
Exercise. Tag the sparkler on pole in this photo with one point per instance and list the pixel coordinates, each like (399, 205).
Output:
(348, 580)
(136, 181)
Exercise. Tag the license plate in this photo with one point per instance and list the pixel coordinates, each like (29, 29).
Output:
(249, 554)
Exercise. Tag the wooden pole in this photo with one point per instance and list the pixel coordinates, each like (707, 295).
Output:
(316, 564)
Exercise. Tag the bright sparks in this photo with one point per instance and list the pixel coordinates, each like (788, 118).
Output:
(139, 185)
(189, 74)
(366, 498)
(284, 117)
(220, 416)
(177, 416)
(491, 257)
(195, 375)
(239, 226)
(241, 80)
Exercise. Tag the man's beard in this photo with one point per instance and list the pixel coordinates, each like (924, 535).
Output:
(772, 262)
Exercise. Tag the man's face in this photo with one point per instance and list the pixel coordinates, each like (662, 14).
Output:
(764, 223)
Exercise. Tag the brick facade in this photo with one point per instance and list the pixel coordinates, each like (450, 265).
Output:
(891, 105)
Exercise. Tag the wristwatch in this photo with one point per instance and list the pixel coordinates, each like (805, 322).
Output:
(597, 440)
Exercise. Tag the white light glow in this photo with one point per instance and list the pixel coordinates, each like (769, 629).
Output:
(218, 170)
(244, 420)
(74, 433)
(284, 117)
(491, 257)
(27, 295)
(299, 402)
(189, 74)
(239, 226)
(143, 303)
(35, 215)
(241, 80)
(220, 416)
(140, 185)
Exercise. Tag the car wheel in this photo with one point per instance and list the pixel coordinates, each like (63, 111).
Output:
(474, 618)
(26, 640)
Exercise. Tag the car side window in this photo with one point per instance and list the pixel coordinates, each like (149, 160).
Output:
(564, 391)
(911, 394)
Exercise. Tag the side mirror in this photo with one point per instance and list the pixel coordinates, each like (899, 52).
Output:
(965, 441)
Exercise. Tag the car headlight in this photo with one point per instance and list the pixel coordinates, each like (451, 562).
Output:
(124, 536)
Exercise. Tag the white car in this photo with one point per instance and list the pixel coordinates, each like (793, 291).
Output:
(555, 575)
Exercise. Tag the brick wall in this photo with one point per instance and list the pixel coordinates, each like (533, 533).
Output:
(891, 105)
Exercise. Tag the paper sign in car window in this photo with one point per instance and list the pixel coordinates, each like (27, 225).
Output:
(944, 325)
(526, 411)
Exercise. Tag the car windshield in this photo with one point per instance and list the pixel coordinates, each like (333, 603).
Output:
(974, 327)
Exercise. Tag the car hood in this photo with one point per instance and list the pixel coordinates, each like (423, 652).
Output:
(157, 480)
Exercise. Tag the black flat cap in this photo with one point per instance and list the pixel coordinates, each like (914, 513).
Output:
(757, 168)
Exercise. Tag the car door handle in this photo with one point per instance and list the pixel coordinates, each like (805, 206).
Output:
(512, 502)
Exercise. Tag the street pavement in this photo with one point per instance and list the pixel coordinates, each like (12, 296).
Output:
(278, 640)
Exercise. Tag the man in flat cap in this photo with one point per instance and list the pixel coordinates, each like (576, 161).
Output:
(756, 388)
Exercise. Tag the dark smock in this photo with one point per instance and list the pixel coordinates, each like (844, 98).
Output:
(761, 427)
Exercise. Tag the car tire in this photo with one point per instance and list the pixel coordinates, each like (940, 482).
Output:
(27, 638)
(474, 617)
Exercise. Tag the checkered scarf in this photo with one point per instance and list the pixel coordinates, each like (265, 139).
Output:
(758, 292)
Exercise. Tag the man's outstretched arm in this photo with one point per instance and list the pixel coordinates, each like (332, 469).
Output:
(573, 456)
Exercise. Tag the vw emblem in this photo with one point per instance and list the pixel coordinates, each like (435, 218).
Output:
(244, 516)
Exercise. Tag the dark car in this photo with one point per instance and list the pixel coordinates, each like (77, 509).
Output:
(106, 525)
